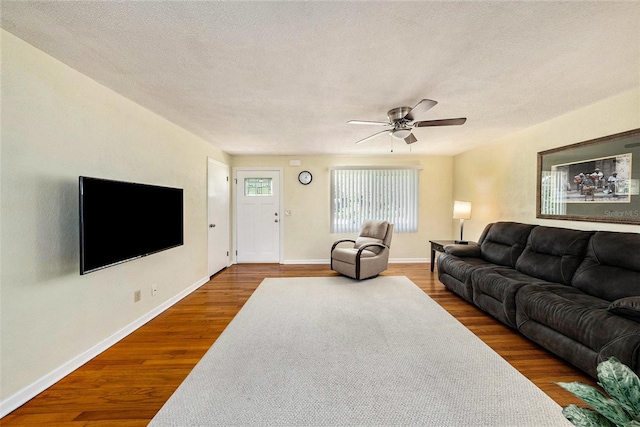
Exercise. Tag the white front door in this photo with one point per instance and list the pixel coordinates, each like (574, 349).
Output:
(258, 215)
(217, 215)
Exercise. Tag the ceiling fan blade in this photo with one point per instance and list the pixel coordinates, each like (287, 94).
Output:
(420, 108)
(444, 122)
(410, 139)
(371, 136)
(365, 122)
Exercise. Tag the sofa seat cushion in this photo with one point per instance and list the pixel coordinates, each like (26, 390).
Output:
(553, 254)
(455, 273)
(494, 291)
(582, 318)
(461, 268)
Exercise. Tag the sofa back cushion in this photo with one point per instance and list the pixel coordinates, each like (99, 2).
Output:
(502, 242)
(553, 254)
(611, 267)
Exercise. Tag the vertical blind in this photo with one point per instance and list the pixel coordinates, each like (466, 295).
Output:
(553, 194)
(380, 194)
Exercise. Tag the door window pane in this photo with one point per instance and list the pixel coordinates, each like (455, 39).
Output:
(258, 187)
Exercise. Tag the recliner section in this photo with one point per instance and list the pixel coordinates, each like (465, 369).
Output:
(368, 254)
(500, 245)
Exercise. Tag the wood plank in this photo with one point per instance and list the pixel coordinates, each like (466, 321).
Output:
(128, 384)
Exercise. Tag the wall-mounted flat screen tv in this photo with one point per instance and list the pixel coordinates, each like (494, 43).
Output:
(122, 221)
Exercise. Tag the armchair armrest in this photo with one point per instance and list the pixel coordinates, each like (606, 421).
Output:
(463, 250)
(341, 241)
(363, 247)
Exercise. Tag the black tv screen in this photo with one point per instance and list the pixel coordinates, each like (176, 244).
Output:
(121, 221)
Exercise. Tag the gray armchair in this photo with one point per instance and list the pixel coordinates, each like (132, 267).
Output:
(368, 255)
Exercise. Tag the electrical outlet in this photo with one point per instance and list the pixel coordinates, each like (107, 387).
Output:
(154, 290)
(136, 296)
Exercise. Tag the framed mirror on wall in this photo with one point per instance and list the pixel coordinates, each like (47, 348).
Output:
(596, 180)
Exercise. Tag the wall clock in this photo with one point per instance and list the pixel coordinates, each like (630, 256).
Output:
(305, 177)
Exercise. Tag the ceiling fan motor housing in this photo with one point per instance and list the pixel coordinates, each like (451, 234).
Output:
(398, 113)
(401, 128)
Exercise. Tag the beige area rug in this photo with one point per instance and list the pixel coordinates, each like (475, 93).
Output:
(336, 352)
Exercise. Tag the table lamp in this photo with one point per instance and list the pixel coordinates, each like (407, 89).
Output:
(461, 211)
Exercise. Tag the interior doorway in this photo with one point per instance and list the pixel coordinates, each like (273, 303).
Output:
(218, 202)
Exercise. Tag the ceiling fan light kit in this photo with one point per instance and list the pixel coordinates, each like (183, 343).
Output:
(402, 120)
(400, 133)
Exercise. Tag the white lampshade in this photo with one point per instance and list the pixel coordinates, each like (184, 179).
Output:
(461, 210)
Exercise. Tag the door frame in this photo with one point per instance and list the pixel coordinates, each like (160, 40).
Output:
(229, 201)
(234, 196)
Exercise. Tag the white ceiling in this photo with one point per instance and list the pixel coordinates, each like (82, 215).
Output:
(284, 77)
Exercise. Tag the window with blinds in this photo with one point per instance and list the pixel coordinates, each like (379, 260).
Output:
(359, 194)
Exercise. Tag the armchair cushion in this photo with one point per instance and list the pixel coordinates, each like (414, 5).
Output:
(348, 255)
(374, 229)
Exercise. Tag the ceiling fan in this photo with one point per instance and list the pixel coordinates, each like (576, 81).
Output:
(403, 121)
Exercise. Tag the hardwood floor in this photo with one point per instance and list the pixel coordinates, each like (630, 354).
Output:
(127, 384)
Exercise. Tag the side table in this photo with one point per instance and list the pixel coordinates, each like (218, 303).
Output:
(438, 245)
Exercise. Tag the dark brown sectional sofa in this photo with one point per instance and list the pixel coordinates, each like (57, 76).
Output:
(576, 293)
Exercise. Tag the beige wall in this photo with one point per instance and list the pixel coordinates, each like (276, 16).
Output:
(500, 178)
(307, 235)
(58, 124)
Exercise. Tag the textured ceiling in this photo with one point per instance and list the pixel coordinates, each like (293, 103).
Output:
(284, 77)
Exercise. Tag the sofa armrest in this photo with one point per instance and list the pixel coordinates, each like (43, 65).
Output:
(463, 250)
(628, 307)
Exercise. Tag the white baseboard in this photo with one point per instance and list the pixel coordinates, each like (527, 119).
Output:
(29, 392)
(326, 261)
(409, 260)
(306, 261)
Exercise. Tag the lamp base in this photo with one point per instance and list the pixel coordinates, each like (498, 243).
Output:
(461, 242)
